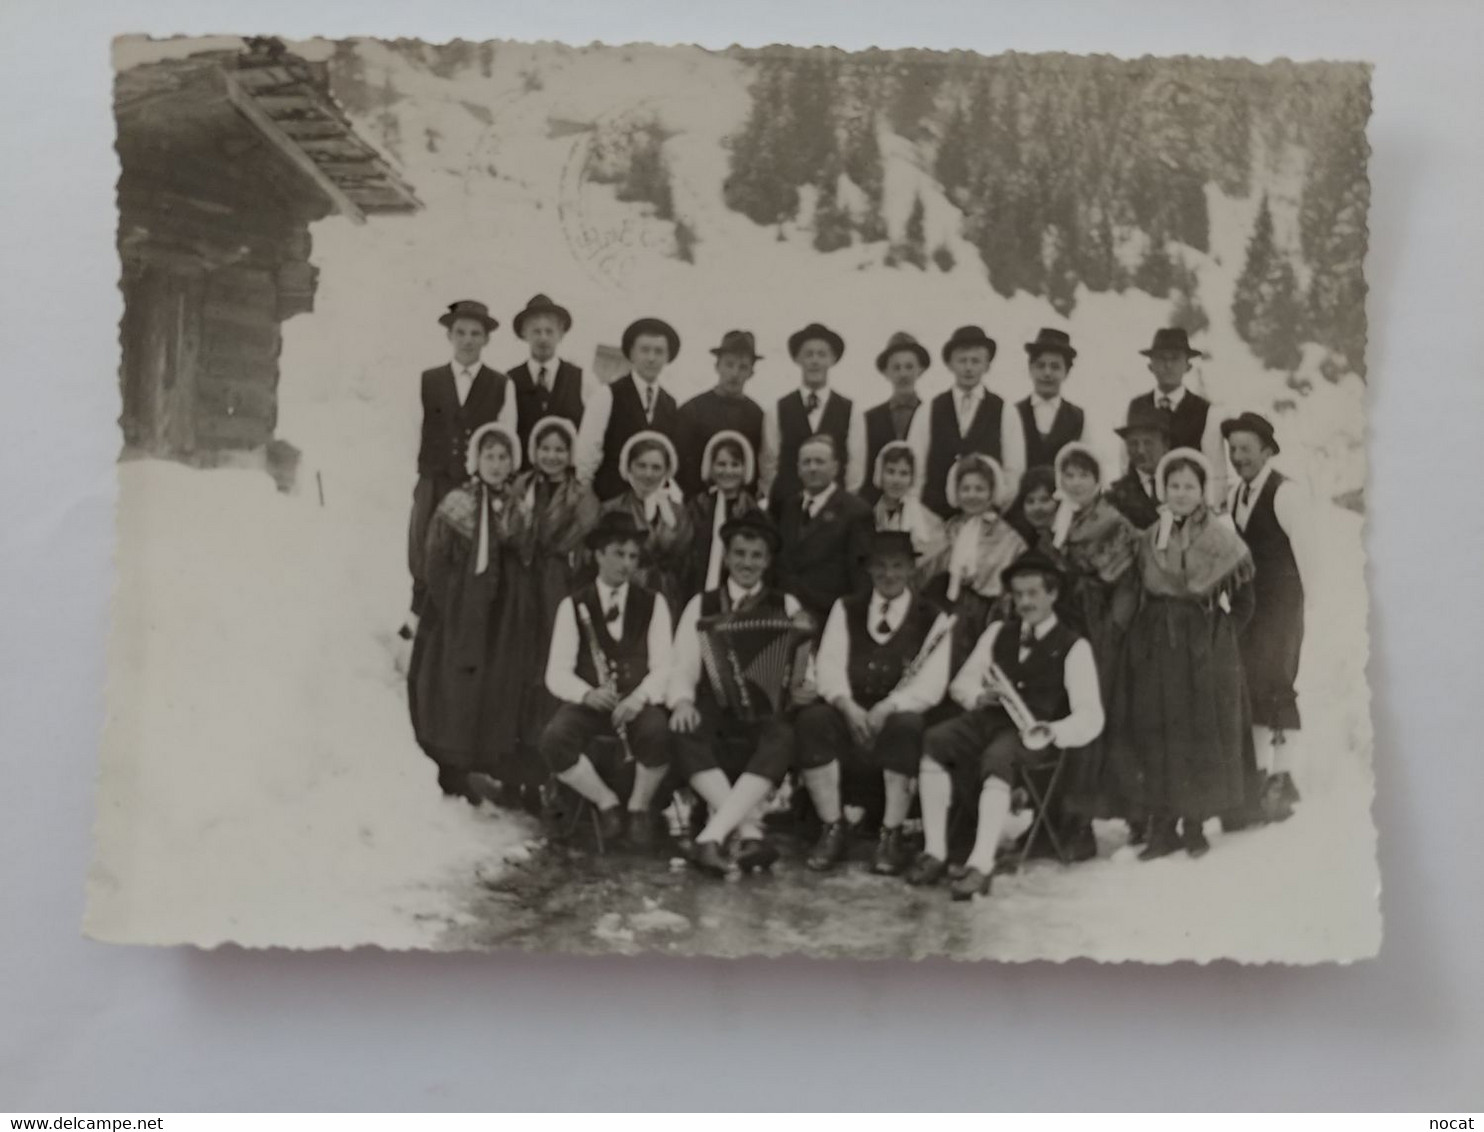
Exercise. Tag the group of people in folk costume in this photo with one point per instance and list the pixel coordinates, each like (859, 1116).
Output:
(980, 589)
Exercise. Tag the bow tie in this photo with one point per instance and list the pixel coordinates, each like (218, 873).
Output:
(1164, 402)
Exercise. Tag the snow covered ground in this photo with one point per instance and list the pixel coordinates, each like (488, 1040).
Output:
(259, 781)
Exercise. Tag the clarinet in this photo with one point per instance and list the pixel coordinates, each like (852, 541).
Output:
(600, 666)
(929, 646)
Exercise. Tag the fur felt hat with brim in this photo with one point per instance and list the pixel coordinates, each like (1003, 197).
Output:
(755, 524)
(657, 326)
(470, 309)
(739, 342)
(1171, 340)
(816, 332)
(615, 526)
(965, 337)
(540, 304)
(884, 544)
(1049, 341)
(901, 342)
(1033, 562)
(1258, 425)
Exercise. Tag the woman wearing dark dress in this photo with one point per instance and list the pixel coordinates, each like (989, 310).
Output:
(728, 464)
(1095, 545)
(469, 569)
(559, 512)
(647, 464)
(1180, 721)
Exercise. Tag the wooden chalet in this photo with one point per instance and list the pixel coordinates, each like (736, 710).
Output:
(228, 157)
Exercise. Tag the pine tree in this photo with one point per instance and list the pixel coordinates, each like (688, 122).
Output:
(1277, 324)
(757, 185)
(1156, 273)
(951, 162)
(1188, 313)
(1261, 252)
(913, 248)
(831, 221)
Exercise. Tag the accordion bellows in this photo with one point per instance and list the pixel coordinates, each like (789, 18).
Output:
(751, 661)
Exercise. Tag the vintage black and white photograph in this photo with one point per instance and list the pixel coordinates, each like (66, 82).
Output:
(656, 500)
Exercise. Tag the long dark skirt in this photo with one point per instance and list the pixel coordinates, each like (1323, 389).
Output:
(1094, 787)
(1179, 720)
(549, 580)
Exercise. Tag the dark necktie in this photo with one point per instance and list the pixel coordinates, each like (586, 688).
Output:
(1246, 494)
(649, 402)
(1027, 639)
(1165, 404)
(804, 507)
(883, 627)
(541, 381)
(613, 613)
(811, 403)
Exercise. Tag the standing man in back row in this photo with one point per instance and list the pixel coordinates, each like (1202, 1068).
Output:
(1193, 424)
(636, 402)
(545, 385)
(1048, 421)
(813, 409)
(457, 398)
(969, 418)
(724, 408)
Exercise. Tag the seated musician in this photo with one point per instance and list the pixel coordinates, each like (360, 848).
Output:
(882, 663)
(609, 664)
(1053, 700)
(733, 757)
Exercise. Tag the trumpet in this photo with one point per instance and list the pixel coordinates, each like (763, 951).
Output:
(1033, 733)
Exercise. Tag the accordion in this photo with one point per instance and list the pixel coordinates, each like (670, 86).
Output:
(750, 661)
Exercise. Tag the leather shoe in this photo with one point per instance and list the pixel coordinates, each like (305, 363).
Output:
(708, 857)
(755, 854)
(611, 825)
(891, 854)
(1278, 797)
(972, 883)
(926, 870)
(1193, 837)
(641, 831)
(831, 848)
(957, 869)
(1079, 842)
(1163, 840)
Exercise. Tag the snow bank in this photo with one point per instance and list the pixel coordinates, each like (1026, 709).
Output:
(259, 782)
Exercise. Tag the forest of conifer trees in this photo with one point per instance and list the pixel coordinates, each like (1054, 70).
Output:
(1087, 171)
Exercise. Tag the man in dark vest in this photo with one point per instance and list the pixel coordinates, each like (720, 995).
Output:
(457, 398)
(722, 409)
(732, 761)
(1048, 421)
(1146, 436)
(882, 665)
(969, 418)
(1274, 517)
(900, 417)
(811, 409)
(545, 385)
(1193, 423)
(633, 403)
(1052, 670)
(826, 532)
(609, 665)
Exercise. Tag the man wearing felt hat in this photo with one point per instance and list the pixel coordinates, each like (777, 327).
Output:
(1146, 438)
(809, 410)
(635, 402)
(733, 762)
(899, 418)
(1193, 421)
(882, 665)
(609, 665)
(457, 398)
(969, 418)
(1049, 422)
(724, 408)
(1275, 518)
(545, 384)
(1051, 669)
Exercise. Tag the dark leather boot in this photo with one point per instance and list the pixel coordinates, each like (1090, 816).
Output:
(926, 871)
(611, 825)
(755, 855)
(641, 831)
(973, 883)
(1164, 839)
(830, 850)
(1193, 837)
(708, 858)
(891, 854)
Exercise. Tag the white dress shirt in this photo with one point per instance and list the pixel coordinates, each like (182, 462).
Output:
(1082, 726)
(814, 504)
(567, 637)
(596, 409)
(1044, 410)
(1294, 512)
(685, 661)
(853, 458)
(1012, 436)
(1213, 446)
(923, 691)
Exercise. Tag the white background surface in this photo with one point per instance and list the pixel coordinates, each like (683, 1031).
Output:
(89, 1027)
